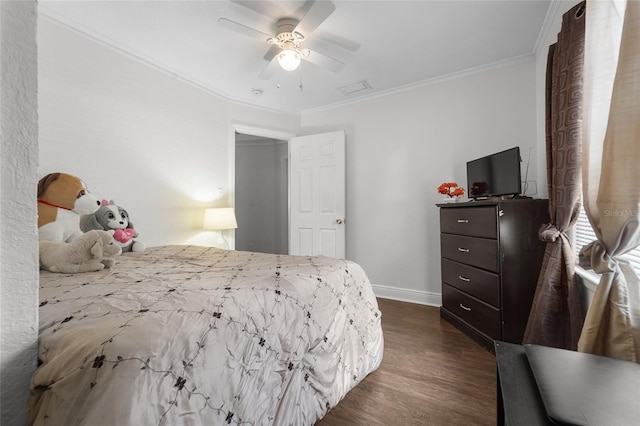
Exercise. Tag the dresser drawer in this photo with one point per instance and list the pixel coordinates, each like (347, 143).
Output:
(480, 315)
(471, 221)
(479, 252)
(477, 282)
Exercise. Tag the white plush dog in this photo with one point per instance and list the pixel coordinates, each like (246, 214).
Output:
(62, 198)
(90, 251)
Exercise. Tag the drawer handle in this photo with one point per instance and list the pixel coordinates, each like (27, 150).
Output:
(465, 279)
(463, 250)
(463, 220)
(465, 308)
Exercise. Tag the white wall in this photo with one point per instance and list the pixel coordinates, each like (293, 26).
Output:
(402, 146)
(18, 233)
(156, 145)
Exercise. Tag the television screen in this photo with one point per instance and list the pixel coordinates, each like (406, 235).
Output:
(494, 175)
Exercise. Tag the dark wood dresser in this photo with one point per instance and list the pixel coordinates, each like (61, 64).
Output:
(491, 259)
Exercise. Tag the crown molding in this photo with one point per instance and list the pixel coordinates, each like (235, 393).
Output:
(549, 19)
(529, 57)
(75, 27)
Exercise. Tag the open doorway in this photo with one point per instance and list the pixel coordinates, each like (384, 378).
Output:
(261, 194)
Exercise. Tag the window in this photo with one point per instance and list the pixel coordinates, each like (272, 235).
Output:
(584, 234)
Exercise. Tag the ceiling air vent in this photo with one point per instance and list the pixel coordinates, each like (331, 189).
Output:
(352, 89)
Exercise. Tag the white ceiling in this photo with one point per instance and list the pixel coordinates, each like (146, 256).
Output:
(400, 44)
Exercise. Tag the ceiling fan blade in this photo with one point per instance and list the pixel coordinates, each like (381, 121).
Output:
(243, 29)
(317, 12)
(272, 67)
(335, 39)
(266, 8)
(269, 71)
(271, 53)
(326, 48)
(324, 61)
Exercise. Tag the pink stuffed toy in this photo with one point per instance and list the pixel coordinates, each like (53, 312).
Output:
(124, 235)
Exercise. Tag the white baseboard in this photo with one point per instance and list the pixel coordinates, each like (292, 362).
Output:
(407, 295)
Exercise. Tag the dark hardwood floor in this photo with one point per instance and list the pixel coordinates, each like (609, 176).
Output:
(431, 374)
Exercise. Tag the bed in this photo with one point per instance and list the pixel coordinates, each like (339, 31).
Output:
(195, 335)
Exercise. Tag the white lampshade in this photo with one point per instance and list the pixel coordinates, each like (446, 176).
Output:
(289, 59)
(219, 219)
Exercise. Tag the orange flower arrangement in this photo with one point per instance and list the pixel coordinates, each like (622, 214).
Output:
(451, 189)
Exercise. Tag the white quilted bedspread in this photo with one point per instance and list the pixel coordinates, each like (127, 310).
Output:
(188, 335)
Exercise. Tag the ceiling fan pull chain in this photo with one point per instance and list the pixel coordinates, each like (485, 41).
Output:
(278, 82)
(300, 78)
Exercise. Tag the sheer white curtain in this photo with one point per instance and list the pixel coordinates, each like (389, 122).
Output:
(611, 175)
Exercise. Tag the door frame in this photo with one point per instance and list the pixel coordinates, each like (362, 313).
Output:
(253, 130)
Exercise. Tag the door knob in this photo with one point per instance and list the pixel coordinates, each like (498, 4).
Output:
(339, 221)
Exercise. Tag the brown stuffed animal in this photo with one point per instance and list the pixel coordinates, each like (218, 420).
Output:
(62, 198)
(91, 251)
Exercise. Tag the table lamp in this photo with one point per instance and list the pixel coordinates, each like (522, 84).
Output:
(219, 219)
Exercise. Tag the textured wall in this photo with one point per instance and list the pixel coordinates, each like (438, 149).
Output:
(18, 234)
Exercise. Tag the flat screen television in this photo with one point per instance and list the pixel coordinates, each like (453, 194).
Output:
(494, 175)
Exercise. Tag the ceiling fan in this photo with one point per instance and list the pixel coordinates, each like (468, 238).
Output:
(291, 33)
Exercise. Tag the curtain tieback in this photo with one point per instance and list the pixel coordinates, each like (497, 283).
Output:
(594, 256)
(549, 233)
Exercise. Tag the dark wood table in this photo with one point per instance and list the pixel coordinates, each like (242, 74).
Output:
(585, 389)
(519, 402)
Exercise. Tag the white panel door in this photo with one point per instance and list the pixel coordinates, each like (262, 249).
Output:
(317, 195)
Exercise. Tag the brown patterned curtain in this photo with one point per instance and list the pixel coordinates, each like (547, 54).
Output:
(556, 313)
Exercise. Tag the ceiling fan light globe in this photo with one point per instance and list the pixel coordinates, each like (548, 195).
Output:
(289, 60)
